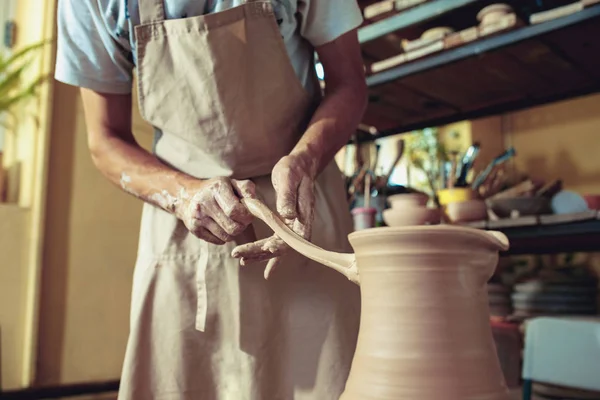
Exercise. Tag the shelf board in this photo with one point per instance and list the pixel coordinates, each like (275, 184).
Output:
(482, 46)
(413, 16)
(583, 236)
(525, 67)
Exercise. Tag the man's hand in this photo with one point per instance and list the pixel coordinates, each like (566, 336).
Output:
(212, 209)
(293, 179)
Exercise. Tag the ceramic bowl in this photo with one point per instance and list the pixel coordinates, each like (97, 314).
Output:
(467, 211)
(504, 208)
(411, 216)
(493, 13)
(405, 200)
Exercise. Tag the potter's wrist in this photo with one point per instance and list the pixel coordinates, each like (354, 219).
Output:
(184, 188)
(308, 157)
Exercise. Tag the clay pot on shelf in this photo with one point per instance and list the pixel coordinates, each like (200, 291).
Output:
(466, 211)
(402, 201)
(411, 216)
(424, 332)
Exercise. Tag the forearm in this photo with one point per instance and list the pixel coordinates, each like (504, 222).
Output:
(333, 124)
(343, 106)
(138, 172)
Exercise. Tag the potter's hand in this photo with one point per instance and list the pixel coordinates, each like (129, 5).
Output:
(293, 179)
(212, 210)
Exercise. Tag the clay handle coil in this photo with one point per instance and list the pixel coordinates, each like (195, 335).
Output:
(345, 264)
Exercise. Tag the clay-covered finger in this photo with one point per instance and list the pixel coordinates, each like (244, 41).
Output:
(232, 227)
(231, 205)
(286, 189)
(249, 250)
(205, 235)
(257, 259)
(275, 245)
(214, 228)
(244, 189)
(271, 266)
(303, 230)
(306, 202)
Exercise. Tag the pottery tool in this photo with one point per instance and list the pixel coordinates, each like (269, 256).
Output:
(445, 173)
(367, 190)
(508, 154)
(494, 184)
(361, 169)
(452, 173)
(520, 190)
(466, 164)
(550, 189)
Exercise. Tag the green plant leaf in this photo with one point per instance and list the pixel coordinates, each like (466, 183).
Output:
(12, 71)
(29, 91)
(25, 51)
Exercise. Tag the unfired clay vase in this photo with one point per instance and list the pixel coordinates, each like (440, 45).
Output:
(425, 332)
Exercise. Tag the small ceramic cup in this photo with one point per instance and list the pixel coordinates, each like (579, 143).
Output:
(364, 217)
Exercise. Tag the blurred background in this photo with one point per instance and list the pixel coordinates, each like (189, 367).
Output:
(492, 111)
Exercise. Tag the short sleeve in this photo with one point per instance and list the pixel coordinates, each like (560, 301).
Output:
(325, 20)
(89, 51)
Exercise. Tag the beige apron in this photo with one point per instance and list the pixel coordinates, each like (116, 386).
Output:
(223, 92)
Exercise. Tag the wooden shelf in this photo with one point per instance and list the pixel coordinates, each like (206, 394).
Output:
(583, 236)
(413, 16)
(525, 67)
(483, 46)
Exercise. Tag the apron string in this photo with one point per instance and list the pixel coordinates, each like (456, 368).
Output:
(151, 11)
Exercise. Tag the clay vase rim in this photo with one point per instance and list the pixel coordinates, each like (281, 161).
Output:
(494, 238)
(346, 263)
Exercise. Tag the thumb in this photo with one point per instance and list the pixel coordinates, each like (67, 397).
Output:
(286, 190)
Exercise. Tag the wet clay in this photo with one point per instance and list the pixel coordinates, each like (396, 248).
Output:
(424, 331)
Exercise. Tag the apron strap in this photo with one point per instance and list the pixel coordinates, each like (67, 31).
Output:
(151, 11)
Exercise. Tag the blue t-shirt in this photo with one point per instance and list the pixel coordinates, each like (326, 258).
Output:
(96, 44)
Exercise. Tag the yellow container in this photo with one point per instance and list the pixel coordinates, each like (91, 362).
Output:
(455, 195)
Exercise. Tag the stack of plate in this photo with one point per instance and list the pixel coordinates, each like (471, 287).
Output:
(538, 298)
(499, 299)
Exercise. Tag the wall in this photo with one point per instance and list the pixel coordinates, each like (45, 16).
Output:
(559, 141)
(13, 280)
(89, 253)
(20, 237)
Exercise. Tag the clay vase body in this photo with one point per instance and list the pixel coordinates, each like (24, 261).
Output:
(425, 332)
